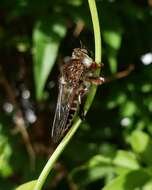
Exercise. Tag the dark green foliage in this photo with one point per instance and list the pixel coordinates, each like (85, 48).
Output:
(113, 147)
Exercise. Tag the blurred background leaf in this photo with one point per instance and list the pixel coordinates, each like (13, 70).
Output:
(47, 37)
(132, 180)
(5, 154)
(27, 186)
(141, 143)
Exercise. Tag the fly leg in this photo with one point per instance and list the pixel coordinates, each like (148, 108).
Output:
(95, 65)
(95, 80)
(82, 93)
(92, 79)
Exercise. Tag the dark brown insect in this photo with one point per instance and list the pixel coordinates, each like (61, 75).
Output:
(76, 76)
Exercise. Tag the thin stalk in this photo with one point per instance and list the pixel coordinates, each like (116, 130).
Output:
(98, 50)
(49, 165)
(96, 28)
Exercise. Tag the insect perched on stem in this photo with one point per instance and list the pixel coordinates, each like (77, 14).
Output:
(76, 77)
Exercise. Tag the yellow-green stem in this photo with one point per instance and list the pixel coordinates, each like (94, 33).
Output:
(96, 28)
(98, 50)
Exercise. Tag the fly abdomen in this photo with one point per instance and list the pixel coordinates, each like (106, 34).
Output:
(70, 118)
(73, 110)
(74, 105)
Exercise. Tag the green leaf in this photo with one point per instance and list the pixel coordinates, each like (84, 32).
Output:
(27, 186)
(85, 175)
(128, 109)
(5, 155)
(139, 141)
(96, 168)
(113, 40)
(99, 160)
(112, 58)
(126, 159)
(129, 181)
(47, 36)
(142, 144)
(148, 186)
(75, 2)
(101, 166)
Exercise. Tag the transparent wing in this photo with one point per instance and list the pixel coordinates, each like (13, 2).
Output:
(62, 110)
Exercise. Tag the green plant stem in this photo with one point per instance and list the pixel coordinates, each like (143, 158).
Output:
(98, 50)
(49, 165)
(96, 28)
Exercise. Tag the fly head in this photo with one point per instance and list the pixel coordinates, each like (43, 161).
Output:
(82, 55)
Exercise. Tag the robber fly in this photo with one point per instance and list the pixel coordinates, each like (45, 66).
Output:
(76, 77)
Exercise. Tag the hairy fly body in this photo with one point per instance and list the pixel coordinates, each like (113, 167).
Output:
(76, 76)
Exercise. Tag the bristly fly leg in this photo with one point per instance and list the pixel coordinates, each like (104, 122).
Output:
(95, 65)
(95, 80)
(82, 93)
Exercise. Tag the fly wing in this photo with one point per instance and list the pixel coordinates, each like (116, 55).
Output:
(62, 110)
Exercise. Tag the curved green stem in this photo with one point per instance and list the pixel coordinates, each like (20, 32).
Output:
(98, 50)
(49, 165)
(96, 28)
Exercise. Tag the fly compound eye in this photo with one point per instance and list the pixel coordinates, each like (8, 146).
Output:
(87, 61)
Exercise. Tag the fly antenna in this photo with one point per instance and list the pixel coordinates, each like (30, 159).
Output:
(81, 45)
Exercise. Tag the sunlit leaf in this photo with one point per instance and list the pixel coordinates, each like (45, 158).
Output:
(96, 168)
(27, 186)
(47, 36)
(75, 2)
(5, 154)
(84, 176)
(112, 58)
(128, 109)
(126, 159)
(113, 39)
(148, 186)
(129, 181)
(141, 143)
